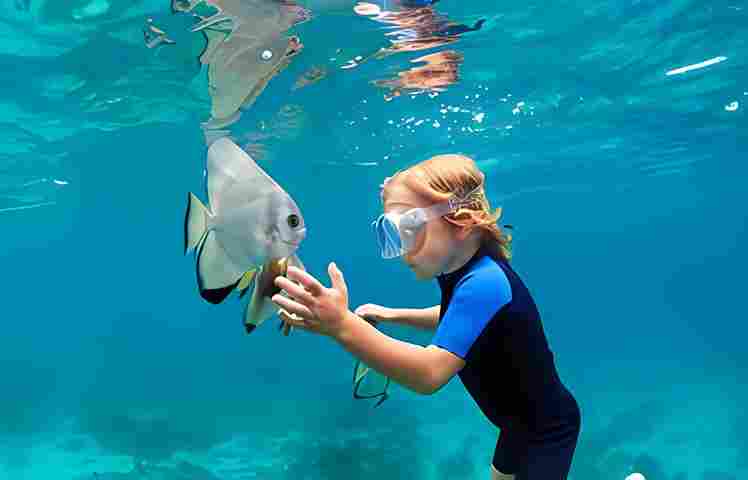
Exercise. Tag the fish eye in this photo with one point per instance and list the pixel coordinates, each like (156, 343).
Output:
(293, 220)
(266, 55)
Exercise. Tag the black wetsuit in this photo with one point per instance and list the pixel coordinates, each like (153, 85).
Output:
(489, 319)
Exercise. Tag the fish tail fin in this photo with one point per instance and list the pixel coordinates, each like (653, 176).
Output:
(195, 222)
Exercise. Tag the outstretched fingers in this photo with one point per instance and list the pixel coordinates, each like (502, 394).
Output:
(310, 283)
(292, 306)
(296, 291)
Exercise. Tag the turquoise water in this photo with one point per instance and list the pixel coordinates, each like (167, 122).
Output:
(625, 186)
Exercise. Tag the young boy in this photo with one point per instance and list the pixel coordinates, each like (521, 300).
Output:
(488, 330)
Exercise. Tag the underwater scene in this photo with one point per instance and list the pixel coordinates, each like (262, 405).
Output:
(164, 162)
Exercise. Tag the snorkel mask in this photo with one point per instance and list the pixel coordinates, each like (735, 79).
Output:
(396, 232)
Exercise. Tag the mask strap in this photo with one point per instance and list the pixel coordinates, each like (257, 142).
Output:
(455, 202)
(452, 203)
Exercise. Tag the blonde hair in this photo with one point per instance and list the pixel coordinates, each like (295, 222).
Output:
(442, 176)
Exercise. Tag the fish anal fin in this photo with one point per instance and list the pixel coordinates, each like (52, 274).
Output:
(216, 275)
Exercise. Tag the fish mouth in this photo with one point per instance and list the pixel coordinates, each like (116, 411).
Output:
(295, 243)
(294, 47)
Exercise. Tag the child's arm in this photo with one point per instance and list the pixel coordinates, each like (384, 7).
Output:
(422, 369)
(423, 318)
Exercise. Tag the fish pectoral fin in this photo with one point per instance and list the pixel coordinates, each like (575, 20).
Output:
(246, 280)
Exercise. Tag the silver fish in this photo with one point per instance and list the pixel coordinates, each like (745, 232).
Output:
(249, 221)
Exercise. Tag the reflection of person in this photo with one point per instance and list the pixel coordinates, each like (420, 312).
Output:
(440, 71)
(488, 330)
(417, 21)
(417, 26)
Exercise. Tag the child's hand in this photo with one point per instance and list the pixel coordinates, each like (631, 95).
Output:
(311, 305)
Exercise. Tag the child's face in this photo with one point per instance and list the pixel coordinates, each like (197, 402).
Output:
(436, 242)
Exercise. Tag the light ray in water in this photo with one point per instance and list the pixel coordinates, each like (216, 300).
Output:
(696, 66)
(26, 207)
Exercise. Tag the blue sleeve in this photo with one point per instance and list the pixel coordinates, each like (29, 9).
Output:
(476, 299)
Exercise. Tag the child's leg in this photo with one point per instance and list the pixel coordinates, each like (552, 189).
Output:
(508, 456)
(496, 475)
(550, 454)
(551, 460)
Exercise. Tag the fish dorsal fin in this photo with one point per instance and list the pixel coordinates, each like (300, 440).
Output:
(228, 164)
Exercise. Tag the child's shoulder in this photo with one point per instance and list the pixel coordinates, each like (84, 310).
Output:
(486, 278)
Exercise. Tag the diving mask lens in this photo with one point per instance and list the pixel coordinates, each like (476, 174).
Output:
(396, 233)
(388, 236)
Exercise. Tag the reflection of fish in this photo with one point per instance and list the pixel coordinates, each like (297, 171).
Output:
(257, 17)
(247, 46)
(250, 220)
(260, 306)
(239, 68)
(314, 75)
(154, 36)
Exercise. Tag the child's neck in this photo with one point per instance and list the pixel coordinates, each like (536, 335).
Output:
(463, 255)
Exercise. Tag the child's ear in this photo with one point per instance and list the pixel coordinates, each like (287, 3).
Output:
(463, 231)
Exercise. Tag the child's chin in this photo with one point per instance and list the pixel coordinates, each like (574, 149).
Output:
(420, 274)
